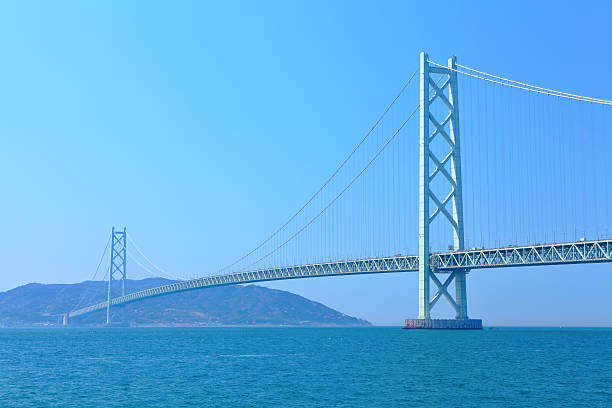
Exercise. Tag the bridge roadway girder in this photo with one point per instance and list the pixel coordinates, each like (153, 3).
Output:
(447, 262)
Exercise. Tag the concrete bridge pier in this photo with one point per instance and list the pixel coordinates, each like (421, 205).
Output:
(452, 324)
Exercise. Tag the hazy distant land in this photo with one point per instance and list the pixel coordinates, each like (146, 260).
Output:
(37, 304)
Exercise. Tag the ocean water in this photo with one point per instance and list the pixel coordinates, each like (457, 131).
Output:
(304, 367)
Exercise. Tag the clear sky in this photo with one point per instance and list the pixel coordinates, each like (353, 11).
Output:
(202, 126)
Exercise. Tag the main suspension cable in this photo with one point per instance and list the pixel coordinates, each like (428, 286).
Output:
(144, 267)
(558, 93)
(313, 219)
(94, 275)
(163, 272)
(299, 211)
(526, 87)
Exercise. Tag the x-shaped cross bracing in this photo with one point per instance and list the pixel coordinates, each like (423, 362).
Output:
(441, 165)
(443, 290)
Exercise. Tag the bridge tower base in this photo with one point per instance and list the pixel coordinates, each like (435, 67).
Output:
(444, 324)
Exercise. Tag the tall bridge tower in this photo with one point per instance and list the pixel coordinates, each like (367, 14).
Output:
(445, 90)
(117, 266)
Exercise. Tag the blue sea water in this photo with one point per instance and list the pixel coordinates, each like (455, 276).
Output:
(303, 367)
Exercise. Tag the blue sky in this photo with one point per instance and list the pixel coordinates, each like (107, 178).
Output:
(203, 126)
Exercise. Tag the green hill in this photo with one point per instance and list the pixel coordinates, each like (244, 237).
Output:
(39, 304)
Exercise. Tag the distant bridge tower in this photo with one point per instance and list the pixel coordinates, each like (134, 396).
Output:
(446, 91)
(117, 266)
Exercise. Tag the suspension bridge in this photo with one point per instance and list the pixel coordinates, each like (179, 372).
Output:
(518, 179)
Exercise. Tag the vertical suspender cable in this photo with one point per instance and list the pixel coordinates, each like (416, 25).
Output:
(583, 207)
(497, 178)
(488, 167)
(551, 170)
(556, 174)
(562, 170)
(481, 161)
(533, 171)
(606, 153)
(543, 169)
(474, 162)
(514, 180)
(593, 176)
(573, 137)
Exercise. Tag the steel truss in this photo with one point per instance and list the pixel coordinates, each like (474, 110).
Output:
(551, 254)
(449, 262)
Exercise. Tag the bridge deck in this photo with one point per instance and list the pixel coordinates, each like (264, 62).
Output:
(532, 255)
